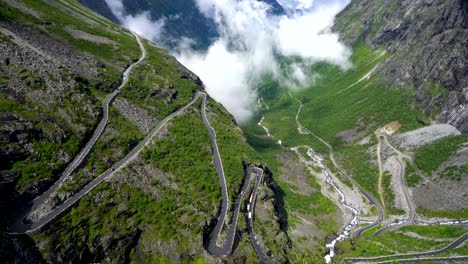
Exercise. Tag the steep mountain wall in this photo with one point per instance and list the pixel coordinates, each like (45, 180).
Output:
(428, 42)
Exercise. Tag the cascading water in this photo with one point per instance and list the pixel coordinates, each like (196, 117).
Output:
(260, 123)
(346, 232)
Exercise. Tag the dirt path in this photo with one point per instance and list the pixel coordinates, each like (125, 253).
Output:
(379, 160)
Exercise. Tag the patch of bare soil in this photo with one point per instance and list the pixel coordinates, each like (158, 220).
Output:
(305, 231)
(23, 8)
(357, 133)
(426, 135)
(146, 177)
(418, 236)
(364, 141)
(136, 115)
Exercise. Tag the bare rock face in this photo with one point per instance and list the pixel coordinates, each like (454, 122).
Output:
(18, 249)
(47, 107)
(8, 194)
(427, 40)
(137, 115)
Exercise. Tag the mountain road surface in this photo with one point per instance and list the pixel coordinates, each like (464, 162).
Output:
(251, 212)
(19, 226)
(78, 160)
(404, 188)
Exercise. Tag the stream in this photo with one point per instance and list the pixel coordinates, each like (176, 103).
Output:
(346, 231)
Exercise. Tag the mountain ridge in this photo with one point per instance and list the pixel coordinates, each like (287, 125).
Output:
(427, 41)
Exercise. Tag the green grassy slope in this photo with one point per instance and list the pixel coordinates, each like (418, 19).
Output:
(336, 102)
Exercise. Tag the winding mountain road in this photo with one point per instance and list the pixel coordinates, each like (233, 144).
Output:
(78, 160)
(428, 260)
(251, 211)
(19, 226)
(404, 188)
(226, 248)
(422, 174)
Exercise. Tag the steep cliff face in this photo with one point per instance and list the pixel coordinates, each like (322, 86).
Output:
(427, 40)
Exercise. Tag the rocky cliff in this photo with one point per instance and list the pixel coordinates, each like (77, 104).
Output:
(427, 40)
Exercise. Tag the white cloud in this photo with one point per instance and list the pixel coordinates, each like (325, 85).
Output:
(223, 74)
(250, 41)
(307, 35)
(141, 23)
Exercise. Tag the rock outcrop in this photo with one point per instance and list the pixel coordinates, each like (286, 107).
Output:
(428, 42)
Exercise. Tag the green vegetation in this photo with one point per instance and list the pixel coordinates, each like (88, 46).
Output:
(92, 221)
(389, 243)
(319, 207)
(44, 164)
(9, 106)
(333, 103)
(187, 154)
(57, 111)
(314, 204)
(184, 199)
(412, 178)
(389, 196)
(167, 86)
(357, 161)
(119, 138)
(232, 146)
(436, 231)
(458, 214)
(57, 21)
(182, 192)
(455, 172)
(430, 157)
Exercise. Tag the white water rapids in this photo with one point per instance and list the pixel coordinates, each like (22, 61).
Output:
(346, 232)
(260, 123)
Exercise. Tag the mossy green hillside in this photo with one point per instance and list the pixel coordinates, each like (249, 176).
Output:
(119, 138)
(402, 241)
(337, 100)
(160, 84)
(430, 157)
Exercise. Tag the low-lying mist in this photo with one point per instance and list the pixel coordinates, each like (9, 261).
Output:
(250, 43)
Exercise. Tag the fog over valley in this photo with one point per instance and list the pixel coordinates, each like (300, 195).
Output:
(250, 43)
